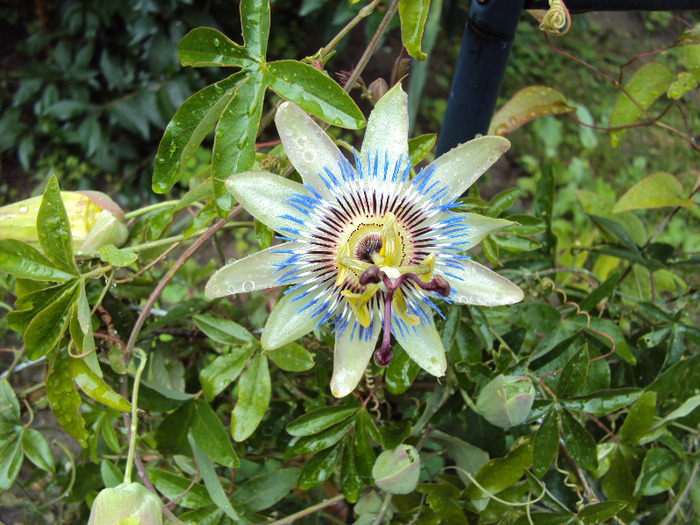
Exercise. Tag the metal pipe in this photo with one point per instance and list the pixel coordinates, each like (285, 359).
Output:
(582, 6)
(488, 37)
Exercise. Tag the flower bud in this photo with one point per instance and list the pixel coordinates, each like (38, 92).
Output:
(95, 220)
(506, 401)
(377, 90)
(396, 471)
(131, 503)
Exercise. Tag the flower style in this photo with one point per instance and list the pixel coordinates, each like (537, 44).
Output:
(368, 248)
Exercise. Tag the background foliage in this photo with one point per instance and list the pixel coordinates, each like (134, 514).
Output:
(605, 249)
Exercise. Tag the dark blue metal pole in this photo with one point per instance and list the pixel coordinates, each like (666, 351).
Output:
(486, 45)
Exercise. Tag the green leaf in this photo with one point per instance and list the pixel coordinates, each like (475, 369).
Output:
(320, 419)
(291, 357)
(600, 512)
(686, 408)
(255, 23)
(111, 475)
(350, 481)
(364, 455)
(178, 488)
(619, 482)
(603, 401)
(320, 467)
(659, 472)
(172, 433)
(53, 229)
(23, 261)
(37, 450)
(222, 331)
(419, 147)
(600, 206)
(314, 92)
(685, 81)
(573, 376)
(394, 433)
(210, 435)
(263, 491)
(10, 458)
(401, 372)
(193, 121)
(64, 399)
(207, 47)
(546, 443)
(212, 483)
(544, 518)
(234, 138)
(639, 419)
(223, 370)
(603, 291)
(9, 406)
(45, 331)
(647, 84)
(658, 190)
(501, 473)
(204, 216)
(527, 104)
(579, 443)
(542, 207)
(117, 257)
(319, 441)
(413, 14)
(502, 201)
(466, 456)
(95, 386)
(253, 399)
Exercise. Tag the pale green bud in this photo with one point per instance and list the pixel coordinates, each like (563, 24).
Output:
(95, 221)
(506, 401)
(131, 504)
(397, 471)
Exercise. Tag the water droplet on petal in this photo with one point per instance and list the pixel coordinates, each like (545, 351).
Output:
(308, 156)
(492, 159)
(232, 289)
(248, 286)
(23, 209)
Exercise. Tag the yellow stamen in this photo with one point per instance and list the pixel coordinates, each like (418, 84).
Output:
(398, 306)
(358, 302)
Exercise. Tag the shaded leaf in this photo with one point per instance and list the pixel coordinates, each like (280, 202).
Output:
(253, 399)
(64, 399)
(639, 419)
(546, 443)
(263, 491)
(210, 436)
(573, 375)
(320, 419)
(223, 370)
(320, 467)
(11, 457)
(579, 443)
(45, 331)
(177, 487)
(221, 330)
(659, 472)
(603, 401)
(37, 450)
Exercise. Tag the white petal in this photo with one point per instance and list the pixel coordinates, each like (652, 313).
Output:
(479, 285)
(351, 356)
(461, 166)
(424, 346)
(265, 196)
(308, 147)
(387, 128)
(479, 226)
(286, 322)
(255, 272)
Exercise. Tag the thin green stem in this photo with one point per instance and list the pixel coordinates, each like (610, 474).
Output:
(134, 414)
(307, 511)
(181, 237)
(667, 520)
(364, 13)
(147, 209)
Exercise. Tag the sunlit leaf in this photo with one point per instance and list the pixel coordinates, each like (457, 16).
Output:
(206, 47)
(253, 399)
(314, 92)
(647, 84)
(658, 190)
(527, 104)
